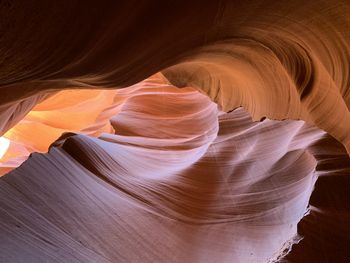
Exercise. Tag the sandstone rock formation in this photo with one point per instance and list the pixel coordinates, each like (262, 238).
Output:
(209, 131)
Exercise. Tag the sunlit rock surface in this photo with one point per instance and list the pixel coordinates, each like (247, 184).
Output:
(212, 160)
(83, 111)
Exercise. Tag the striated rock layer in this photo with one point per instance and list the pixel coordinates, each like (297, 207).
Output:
(83, 111)
(154, 173)
(182, 177)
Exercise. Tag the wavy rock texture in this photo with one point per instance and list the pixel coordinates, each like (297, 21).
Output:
(83, 111)
(173, 177)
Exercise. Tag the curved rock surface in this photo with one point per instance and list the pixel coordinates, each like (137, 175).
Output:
(193, 164)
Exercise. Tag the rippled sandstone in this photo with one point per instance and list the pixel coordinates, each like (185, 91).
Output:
(193, 164)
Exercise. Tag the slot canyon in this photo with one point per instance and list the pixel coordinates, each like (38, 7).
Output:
(175, 131)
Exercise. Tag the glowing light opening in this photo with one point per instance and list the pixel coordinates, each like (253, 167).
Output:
(4, 145)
